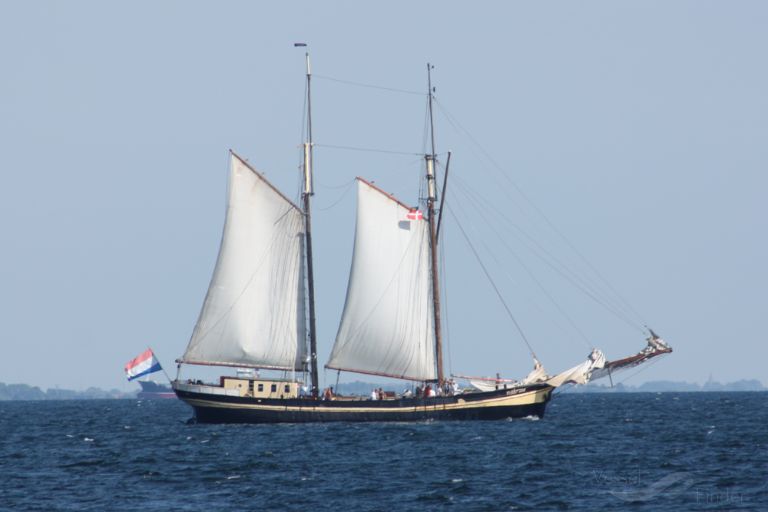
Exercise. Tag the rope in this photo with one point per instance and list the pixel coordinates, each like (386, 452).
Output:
(343, 195)
(369, 86)
(372, 150)
(622, 303)
(480, 212)
(336, 187)
(493, 284)
(644, 367)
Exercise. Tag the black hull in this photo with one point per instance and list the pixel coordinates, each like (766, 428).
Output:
(530, 401)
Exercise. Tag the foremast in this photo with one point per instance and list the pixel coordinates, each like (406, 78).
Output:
(306, 196)
(431, 199)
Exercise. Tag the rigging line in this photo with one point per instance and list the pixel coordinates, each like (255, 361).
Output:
(545, 256)
(343, 185)
(341, 197)
(369, 86)
(567, 241)
(488, 275)
(533, 278)
(644, 367)
(559, 267)
(372, 150)
(618, 306)
(531, 275)
(580, 283)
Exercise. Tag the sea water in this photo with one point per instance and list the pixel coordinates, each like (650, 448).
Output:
(641, 451)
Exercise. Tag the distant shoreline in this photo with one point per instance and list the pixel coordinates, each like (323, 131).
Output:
(664, 386)
(10, 392)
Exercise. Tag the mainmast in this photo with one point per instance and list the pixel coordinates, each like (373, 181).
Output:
(306, 195)
(431, 198)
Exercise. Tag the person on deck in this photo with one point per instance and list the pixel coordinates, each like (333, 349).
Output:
(375, 394)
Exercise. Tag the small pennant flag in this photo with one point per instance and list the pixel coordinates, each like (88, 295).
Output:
(414, 214)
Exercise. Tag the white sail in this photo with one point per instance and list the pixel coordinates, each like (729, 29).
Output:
(387, 324)
(254, 315)
(579, 374)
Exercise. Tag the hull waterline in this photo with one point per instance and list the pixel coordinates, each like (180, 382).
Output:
(522, 402)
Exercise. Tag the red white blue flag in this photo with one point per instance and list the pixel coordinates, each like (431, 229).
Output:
(144, 364)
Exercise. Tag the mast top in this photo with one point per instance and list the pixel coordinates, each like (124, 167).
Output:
(304, 45)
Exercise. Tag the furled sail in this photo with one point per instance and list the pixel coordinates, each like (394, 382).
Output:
(597, 367)
(387, 324)
(254, 314)
(579, 374)
(655, 347)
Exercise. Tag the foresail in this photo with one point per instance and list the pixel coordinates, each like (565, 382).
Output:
(387, 324)
(254, 314)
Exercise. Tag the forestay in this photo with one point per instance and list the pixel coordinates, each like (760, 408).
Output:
(387, 324)
(254, 314)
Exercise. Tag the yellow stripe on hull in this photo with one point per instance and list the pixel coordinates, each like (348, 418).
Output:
(513, 399)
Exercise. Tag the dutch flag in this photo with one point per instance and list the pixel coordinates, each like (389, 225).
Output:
(144, 364)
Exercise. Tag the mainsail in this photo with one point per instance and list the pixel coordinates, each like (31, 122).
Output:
(387, 324)
(254, 314)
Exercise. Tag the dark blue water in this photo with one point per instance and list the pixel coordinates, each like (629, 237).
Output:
(672, 451)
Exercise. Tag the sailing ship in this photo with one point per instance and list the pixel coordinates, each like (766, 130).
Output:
(259, 314)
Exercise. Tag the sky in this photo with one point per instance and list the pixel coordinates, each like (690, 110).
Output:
(626, 140)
